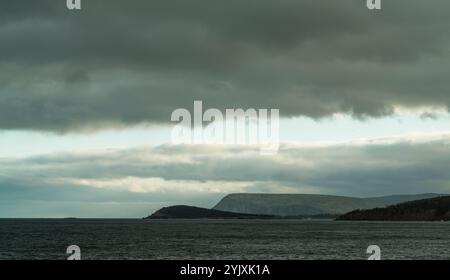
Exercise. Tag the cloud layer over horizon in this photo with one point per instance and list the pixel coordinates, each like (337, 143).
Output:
(201, 174)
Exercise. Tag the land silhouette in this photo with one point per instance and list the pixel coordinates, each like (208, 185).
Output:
(266, 206)
(433, 209)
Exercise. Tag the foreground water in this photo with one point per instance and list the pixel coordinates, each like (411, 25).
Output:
(221, 239)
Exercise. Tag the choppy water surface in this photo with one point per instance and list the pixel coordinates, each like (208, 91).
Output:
(221, 239)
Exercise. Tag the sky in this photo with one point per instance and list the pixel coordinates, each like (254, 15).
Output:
(86, 99)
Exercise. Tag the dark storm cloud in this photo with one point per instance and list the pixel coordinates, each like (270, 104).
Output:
(127, 62)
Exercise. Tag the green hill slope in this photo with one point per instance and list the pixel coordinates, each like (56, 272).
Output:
(306, 204)
(434, 209)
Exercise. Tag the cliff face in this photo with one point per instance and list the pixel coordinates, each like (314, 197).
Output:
(306, 204)
(434, 209)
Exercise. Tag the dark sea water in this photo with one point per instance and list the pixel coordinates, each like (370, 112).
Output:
(221, 239)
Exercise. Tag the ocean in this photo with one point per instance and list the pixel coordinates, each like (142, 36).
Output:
(221, 239)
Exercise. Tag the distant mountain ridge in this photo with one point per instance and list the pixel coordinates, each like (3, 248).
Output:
(307, 204)
(433, 209)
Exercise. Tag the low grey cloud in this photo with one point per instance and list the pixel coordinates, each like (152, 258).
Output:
(201, 175)
(120, 63)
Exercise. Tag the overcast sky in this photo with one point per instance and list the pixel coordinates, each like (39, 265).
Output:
(86, 99)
